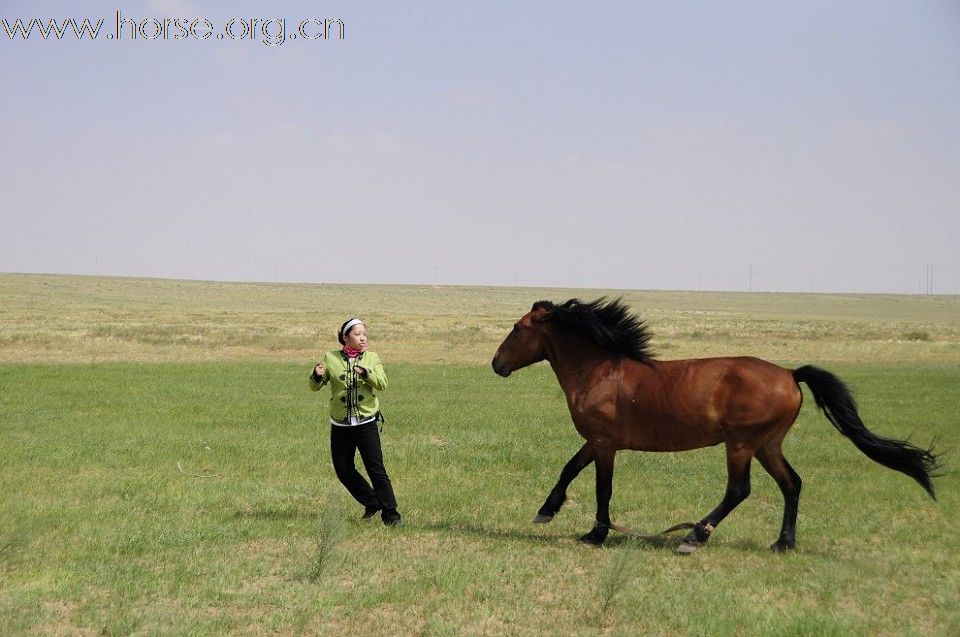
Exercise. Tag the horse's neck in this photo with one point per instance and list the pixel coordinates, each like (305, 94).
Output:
(573, 358)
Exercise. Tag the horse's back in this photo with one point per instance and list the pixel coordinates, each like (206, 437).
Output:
(702, 402)
(746, 392)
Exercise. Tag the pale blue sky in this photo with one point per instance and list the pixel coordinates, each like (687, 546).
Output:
(633, 145)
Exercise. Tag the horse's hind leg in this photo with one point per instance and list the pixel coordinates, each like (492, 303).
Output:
(558, 494)
(738, 488)
(771, 458)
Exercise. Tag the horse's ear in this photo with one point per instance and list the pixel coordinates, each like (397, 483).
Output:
(540, 314)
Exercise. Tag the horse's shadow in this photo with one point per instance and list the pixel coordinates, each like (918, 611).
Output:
(453, 527)
(619, 540)
(745, 546)
(477, 530)
(635, 541)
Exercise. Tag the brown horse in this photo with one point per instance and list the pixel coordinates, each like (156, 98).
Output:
(620, 397)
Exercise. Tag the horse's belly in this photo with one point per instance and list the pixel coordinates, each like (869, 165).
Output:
(672, 438)
(642, 435)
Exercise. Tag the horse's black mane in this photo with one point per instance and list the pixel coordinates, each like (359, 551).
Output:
(608, 324)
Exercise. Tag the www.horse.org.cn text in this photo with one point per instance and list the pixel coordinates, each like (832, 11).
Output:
(268, 31)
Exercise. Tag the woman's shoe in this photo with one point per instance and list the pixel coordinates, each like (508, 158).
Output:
(392, 519)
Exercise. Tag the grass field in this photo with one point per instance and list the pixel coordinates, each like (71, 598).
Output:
(117, 395)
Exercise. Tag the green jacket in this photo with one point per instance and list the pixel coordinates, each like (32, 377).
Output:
(351, 395)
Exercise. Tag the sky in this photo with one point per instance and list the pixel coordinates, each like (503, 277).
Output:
(755, 145)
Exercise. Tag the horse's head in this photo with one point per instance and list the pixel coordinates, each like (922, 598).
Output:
(525, 344)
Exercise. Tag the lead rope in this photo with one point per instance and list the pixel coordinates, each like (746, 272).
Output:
(652, 536)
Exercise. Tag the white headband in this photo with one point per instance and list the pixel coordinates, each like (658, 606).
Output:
(350, 323)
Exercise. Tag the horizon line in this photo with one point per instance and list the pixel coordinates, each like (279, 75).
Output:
(471, 285)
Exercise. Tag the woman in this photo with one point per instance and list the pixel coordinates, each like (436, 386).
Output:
(355, 375)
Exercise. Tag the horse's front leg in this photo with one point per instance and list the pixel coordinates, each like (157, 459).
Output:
(558, 495)
(604, 460)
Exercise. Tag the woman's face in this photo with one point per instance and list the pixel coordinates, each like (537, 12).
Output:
(356, 337)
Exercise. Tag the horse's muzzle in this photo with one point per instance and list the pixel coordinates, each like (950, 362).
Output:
(500, 369)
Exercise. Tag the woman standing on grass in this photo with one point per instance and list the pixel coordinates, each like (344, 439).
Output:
(355, 375)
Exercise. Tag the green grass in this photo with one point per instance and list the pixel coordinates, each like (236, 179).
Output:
(165, 470)
(101, 532)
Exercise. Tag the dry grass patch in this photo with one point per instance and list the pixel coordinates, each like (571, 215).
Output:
(70, 318)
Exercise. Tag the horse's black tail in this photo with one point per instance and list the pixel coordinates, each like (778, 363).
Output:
(837, 404)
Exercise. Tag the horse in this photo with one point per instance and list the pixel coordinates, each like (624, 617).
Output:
(621, 397)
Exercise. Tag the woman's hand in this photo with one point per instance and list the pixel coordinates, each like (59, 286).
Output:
(361, 372)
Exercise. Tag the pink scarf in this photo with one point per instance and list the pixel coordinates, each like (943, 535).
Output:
(353, 353)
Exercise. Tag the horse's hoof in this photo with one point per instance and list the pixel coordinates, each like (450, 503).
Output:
(541, 518)
(687, 548)
(782, 547)
(593, 538)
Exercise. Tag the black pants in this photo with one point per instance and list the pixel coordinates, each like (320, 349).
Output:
(344, 443)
